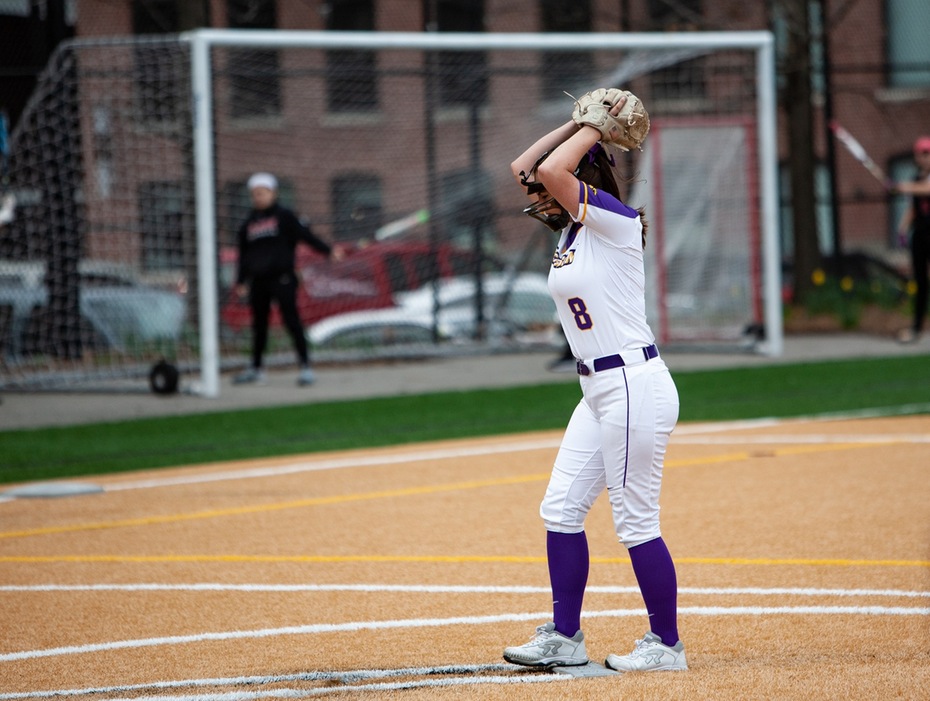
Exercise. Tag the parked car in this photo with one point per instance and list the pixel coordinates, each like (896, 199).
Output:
(116, 313)
(512, 304)
(370, 329)
(367, 278)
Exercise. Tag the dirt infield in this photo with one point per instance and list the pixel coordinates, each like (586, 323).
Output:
(803, 554)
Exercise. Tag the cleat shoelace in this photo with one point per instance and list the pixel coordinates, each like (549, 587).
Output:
(541, 636)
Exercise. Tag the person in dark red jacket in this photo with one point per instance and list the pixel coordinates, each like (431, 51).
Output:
(267, 240)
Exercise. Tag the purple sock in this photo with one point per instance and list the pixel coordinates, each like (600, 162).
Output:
(655, 572)
(568, 575)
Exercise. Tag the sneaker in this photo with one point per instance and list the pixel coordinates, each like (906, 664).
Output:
(549, 648)
(250, 376)
(650, 655)
(305, 377)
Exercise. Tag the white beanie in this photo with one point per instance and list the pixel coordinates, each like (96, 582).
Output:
(263, 180)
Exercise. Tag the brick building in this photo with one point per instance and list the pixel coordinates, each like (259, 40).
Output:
(879, 79)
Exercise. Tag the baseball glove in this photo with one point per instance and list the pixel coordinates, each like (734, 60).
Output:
(627, 130)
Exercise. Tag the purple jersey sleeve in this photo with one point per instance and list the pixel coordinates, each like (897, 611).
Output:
(607, 216)
(590, 196)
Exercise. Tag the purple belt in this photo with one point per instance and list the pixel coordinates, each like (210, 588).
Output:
(619, 360)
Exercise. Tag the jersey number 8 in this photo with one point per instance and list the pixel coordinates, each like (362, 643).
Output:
(580, 312)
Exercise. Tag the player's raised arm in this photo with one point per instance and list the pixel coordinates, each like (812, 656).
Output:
(522, 166)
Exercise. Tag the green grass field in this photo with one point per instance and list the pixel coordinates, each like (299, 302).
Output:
(895, 385)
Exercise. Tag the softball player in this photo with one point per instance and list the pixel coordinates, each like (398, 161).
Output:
(617, 435)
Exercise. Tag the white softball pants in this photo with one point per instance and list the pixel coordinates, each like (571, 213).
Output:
(616, 438)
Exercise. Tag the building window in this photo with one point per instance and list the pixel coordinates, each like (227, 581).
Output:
(462, 76)
(357, 206)
(351, 80)
(154, 66)
(161, 221)
(254, 74)
(566, 71)
(684, 80)
(907, 43)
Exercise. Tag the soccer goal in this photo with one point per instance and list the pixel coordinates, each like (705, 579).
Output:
(128, 169)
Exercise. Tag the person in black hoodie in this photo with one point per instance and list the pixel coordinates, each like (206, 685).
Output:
(916, 218)
(267, 240)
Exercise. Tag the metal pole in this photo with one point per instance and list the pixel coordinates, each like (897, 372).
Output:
(768, 190)
(432, 184)
(204, 178)
(478, 223)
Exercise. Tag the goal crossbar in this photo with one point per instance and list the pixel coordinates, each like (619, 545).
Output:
(203, 40)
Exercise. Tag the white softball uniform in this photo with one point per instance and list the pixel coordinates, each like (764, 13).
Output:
(618, 433)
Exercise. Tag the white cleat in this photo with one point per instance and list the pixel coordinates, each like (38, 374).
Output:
(549, 648)
(650, 655)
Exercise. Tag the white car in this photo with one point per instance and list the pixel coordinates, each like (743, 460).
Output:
(115, 311)
(372, 329)
(512, 304)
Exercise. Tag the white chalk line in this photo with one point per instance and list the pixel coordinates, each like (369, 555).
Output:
(501, 448)
(513, 675)
(407, 624)
(884, 439)
(327, 691)
(681, 431)
(366, 675)
(454, 589)
(347, 677)
(336, 464)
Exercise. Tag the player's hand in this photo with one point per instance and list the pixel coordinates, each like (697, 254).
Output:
(338, 253)
(242, 291)
(618, 106)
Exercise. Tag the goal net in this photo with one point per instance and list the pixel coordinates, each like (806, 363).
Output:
(128, 170)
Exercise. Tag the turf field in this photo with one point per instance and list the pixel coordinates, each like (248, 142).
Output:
(898, 385)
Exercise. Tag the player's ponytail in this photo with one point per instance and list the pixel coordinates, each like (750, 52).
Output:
(642, 220)
(596, 168)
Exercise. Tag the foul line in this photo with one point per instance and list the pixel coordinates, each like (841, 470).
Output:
(885, 439)
(509, 559)
(453, 589)
(264, 508)
(409, 491)
(407, 624)
(511, 675)
(683, 430)
(339, 464)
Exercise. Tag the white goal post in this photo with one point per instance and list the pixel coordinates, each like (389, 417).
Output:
(202, 41)
(128, 170)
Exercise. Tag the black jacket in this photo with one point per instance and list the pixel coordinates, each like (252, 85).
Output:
(921, 205)
(267, 240)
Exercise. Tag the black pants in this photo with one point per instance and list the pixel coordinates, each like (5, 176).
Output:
(920, 258)
(283, 290)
